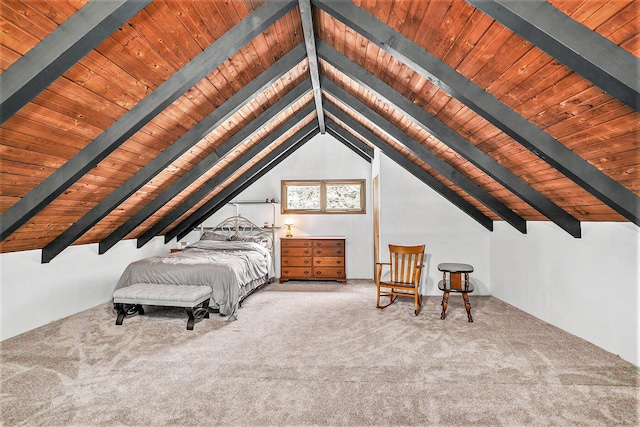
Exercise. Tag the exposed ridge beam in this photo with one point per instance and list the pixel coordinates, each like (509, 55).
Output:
(424, 154)
(410, 167)
(453, 140)
(586, 52)
(232, 190)
(606, 189)
(177, 149)
(56, 53)
(214, 182)
(353, 143)
(310, 43)
(163, 96)
(60, 243)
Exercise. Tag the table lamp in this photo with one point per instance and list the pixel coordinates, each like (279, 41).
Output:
(288, 222)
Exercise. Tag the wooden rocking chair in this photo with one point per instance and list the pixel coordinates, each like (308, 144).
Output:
(405, 270)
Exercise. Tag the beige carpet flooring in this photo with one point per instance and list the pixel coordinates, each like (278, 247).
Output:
(305, 354)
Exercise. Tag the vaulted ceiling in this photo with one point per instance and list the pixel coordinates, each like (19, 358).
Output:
(131, 119)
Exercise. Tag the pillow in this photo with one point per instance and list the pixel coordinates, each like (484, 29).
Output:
(210, 235)
(262, 240)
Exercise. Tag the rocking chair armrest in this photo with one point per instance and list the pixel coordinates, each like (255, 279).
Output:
(379, 267)
(419, 273)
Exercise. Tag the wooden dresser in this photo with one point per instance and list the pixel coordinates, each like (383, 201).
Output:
(312, 258)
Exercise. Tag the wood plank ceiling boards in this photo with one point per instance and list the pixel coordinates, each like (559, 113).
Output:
(584, 51)
(519, 128)
(246, 179)
(131, 119)
(215, 182)
(426, 156)
(178, 148)
(141, 114)
(43, 64)
(453, 140)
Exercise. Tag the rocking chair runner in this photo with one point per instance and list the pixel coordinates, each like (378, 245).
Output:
(405, 270)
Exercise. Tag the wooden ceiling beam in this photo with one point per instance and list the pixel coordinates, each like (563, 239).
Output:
(310, 43)
(586, 52)
(543, 145)
(178, 148)
(425, 155)
(348, 139)
(215, 181)
(60, 50)
(64, 240)
(136, 118)
(257, 171)
(452, 139)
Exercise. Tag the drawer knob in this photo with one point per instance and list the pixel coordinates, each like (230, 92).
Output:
(286, 261)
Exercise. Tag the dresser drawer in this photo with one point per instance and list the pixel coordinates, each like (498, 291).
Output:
(313, 258)
(297, 272)
(328, 243)
(296, 261)
(328, 251)
(295, 251)
(287, 243)
(328, 272)
(332, 261)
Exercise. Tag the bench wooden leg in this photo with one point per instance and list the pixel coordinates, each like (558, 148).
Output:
(199, 312)
(122, 313)
(191, 320)
(205, 306)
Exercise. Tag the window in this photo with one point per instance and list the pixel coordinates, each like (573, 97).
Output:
(324, 196)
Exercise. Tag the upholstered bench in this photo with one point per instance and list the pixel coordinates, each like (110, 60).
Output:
(187, 296)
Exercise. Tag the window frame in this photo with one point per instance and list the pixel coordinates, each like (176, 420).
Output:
(323, 183)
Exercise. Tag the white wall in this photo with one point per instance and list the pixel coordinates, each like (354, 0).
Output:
(323, 157)
(34, 294)
(589, 286)
(413, 213)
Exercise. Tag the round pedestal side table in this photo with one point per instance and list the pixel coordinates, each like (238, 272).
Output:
(455, 278)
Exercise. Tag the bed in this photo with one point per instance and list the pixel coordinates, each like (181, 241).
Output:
(234, 258)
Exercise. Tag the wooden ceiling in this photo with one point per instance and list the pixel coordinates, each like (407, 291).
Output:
(131, 119)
